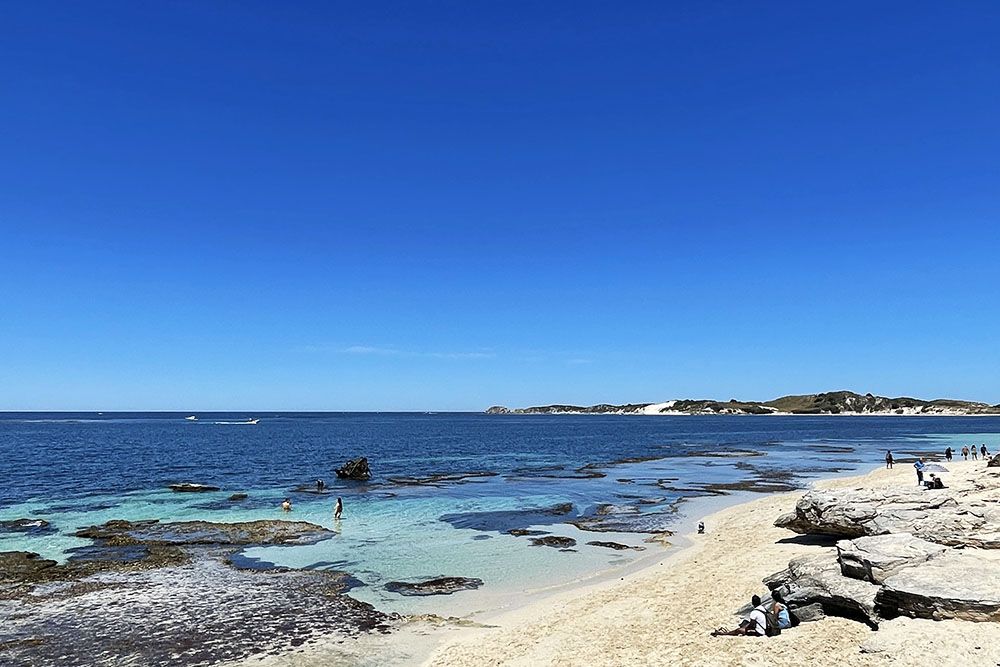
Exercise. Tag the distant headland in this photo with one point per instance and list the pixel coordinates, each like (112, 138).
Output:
(831, 403)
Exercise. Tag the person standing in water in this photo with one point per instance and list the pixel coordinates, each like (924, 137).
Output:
(339, 509)
(965, 452)
(888, 459)
(947, 454)
(286, 506)
(974, 452)
(985, 452)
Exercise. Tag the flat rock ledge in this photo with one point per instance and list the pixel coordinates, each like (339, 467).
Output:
(952, 584)
(266, 531)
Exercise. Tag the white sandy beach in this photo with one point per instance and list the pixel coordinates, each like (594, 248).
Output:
(663, 614)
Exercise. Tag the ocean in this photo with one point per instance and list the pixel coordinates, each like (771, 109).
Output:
(446, 491)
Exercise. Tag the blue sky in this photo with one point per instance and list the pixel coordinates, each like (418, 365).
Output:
(355, 206)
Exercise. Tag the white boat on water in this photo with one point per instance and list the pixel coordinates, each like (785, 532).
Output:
(251, 421)
(192, 418)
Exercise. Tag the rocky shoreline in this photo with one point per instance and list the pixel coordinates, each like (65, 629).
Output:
(922, 553)
(173, 594)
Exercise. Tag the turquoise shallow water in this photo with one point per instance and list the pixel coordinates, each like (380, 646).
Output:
(75, 470)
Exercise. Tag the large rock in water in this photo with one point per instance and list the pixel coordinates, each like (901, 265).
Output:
(876, 558)
(439, 586)
(187, 487)
(932, 515)
(356, 469)
(817, 579)
(953, 584)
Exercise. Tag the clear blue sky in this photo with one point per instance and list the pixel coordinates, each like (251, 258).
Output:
(436, 205)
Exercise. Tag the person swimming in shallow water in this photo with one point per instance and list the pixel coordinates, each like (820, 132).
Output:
(286, 506)
(339, 509)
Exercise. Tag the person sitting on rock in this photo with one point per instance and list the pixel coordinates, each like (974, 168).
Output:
(286, 506)
(934, 482)
(753, 626)
(780, 609)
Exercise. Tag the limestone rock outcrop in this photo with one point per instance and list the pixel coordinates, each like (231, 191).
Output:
(934, 515)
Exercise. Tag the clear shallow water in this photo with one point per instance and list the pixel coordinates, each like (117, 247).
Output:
(75, 470)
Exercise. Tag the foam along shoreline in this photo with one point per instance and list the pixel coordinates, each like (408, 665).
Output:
(663, 614)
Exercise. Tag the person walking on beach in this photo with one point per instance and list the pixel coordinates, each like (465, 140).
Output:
(888, 459)
(919, 465)
(947, 454)
(985, 452)
(965, 452)
(338, 510)
(974, 453)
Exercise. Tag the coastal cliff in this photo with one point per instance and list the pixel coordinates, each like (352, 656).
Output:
(830, 403)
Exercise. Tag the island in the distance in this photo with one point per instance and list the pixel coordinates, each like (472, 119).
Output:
(831, 403)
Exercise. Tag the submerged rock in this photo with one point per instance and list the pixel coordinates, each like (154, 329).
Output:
(439, 586)
(505, 521)
(617, 546)
(441, 478)
(523, 532)
(238, 496)
(555, 541)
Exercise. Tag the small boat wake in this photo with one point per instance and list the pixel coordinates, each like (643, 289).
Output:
(245, 423)
(192, 418)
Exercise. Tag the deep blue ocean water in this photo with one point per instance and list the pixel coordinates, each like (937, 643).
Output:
(626, 473)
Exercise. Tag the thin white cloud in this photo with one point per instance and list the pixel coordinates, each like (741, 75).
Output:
(380, 350)
(370, 349)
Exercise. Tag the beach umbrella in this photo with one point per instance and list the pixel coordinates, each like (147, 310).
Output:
(935, 467)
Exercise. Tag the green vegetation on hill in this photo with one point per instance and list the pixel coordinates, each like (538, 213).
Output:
(830, 403)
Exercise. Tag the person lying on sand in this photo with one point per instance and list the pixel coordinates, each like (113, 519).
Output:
(754, 626)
